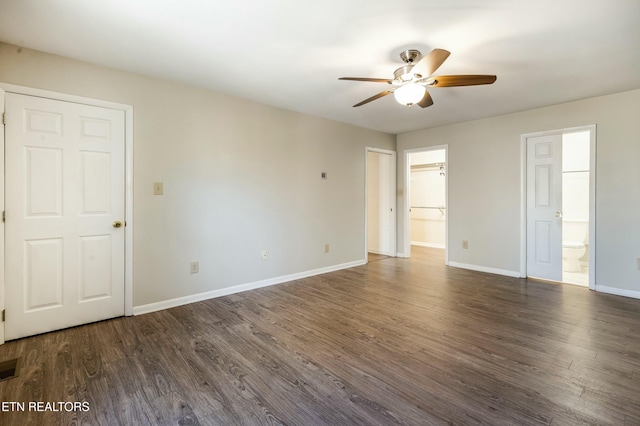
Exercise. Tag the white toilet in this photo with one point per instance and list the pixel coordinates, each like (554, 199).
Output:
(574, 240)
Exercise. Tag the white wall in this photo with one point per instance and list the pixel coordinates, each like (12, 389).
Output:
(239, 177)
(484, 184)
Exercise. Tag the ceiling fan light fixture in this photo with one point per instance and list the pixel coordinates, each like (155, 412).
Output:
(411, 80)
(409, 94)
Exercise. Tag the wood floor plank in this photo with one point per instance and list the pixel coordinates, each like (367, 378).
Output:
(396, 341)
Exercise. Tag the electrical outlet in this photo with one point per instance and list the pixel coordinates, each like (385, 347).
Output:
(465, 244)
(264, 254)
(158, 188)
(194, 267)
(326, 248)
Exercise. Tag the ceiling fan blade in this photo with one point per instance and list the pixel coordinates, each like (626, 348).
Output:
(430, 63)
(426, 100)
(374, 80)
(462, 80)
(373, 98)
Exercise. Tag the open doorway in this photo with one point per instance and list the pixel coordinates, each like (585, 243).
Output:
(559, 206)
(426, 184)
(576, 175)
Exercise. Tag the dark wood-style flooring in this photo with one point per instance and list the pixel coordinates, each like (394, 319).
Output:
(397, 341)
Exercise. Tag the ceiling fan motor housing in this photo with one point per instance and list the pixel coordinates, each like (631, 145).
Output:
(403, 74)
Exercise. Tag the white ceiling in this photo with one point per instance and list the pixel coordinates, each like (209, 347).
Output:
(290, 53)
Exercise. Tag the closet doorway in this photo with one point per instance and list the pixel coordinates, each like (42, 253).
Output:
(426, 183)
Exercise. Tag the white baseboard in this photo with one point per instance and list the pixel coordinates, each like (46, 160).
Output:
(505, 272)
(431, 245)
(166, 304)
(379, 252)
(618, 291)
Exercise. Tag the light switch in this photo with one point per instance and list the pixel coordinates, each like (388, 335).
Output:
(157, 188)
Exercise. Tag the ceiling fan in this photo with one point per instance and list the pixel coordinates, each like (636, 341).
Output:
(411, 80)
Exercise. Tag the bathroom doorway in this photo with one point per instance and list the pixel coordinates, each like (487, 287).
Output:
(575, 207)
(559, 207)
(426, 224)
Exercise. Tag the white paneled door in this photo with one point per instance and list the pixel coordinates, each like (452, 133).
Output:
(65, 209)
(381, 212)
(544, 207)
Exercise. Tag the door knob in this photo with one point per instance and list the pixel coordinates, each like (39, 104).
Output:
(558, 214)
(117, 224)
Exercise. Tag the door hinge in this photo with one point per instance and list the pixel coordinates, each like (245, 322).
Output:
(4, 118)
(3, 315)
(3, 216)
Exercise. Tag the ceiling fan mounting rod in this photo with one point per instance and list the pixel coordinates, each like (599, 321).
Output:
(410, 56)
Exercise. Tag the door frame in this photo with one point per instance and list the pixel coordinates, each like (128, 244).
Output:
(407, 197)
(392, 195)
(128, 170)
(592, 197)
